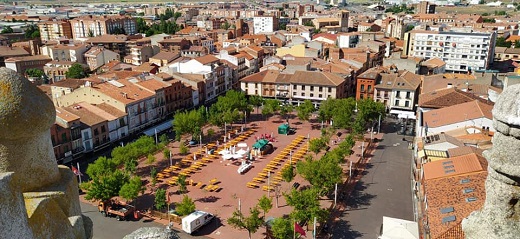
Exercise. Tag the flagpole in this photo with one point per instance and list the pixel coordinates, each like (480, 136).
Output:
(294, 229)
(79, 172)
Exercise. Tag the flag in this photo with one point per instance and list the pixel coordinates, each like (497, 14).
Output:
(76, 171)
(299, 229)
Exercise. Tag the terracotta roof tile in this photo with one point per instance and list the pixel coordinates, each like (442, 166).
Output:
(86, 116)
(65, 115)
(446, 97)
(206, 59)
(457, 113)
(454, 166)
(456, 196)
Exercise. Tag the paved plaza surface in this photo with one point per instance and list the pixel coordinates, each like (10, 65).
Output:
(383, 190)
(232, 186)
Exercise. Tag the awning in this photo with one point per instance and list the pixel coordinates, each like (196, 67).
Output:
(160, 128)
(401, 114)
(260, 143)
(394, 228)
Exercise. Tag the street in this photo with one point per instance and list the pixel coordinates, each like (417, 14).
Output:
(110, 228)
(383, 190)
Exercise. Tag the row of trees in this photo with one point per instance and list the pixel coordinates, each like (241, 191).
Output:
(114, 176)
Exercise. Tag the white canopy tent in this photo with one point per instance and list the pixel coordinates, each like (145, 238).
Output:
(394, 228)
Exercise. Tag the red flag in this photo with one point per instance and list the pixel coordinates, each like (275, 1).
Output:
(75, 171)
(299, 229)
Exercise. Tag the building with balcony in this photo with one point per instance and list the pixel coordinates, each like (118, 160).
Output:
(462, 51)
(295, 88)
(140, 54)
(398, 91)
(54, 30)
(115, 43)
(367, 81)
(71, 52)
(91, 26)
(265, 24)
(96, 127)
(99, 56)
(66, 136)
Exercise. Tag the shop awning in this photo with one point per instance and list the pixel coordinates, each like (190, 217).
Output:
(160, 128)
(401, 114)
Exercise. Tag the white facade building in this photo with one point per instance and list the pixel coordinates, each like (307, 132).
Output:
(462, 52)
(265, 24)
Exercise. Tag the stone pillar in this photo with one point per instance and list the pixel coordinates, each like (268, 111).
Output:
(38, 199)
(26, 115)
(499, 218)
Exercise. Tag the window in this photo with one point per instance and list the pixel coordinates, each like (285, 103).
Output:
(330, 89)
(407, 103)
(369, 88)
(303, 87)
(312, 95)
(96, 132)
(294, 87)
(312, 88)
(362, 88)
(320, 89)
(408, 95)
(63, 137)
(397, 102)
(398, 94)
(303, 93)
(103, 129)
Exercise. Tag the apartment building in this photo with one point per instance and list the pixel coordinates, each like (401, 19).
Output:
(22, 63)
(163, 58)
(295, 88)
(140, 54)
(91, 26)
(66, 136)
(217, 77)
(54, 30)
(56, 70)
(115, 43)
(462, 52)
(69, 52)
(398, 91)
(141, 105)
(8, 52)
(94, 131)
(265, 24)
(99, 56)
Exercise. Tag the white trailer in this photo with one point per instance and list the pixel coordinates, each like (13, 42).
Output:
(195, 221)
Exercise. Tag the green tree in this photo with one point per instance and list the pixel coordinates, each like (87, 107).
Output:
(7, 29)
(32, 31)
(164, 139)
(153, 176)
(177, 15)
(306, 205)
(501, 42)
(183, 149)
(150, 159)
(288, 174)
(35, 72)
(256, 101)
(265, 204)
(185, 207)
(322, 174)
(271, 106)
(166, 153)
(106, 186)
(282, 228)
(304, 110)
(285, 109)
(210, 133)
(160, 199)
(225, 25)
(130, 190)
(517, 44)
(181, 181)
(188, 122)
(250, 223)
(76, 71)
(130, 166)
(316, 145)
(101, 167)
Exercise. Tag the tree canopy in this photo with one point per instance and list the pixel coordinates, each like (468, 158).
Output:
(323, 174)
(7, 29)
(188, 122)
(185, 207)
(76, 71)
(282, 228)
(106, 186)
(250, 223)
(130, 190)
(160, 199)
(35, 72)
(306, 205)
(304, 110)
(265, 204)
